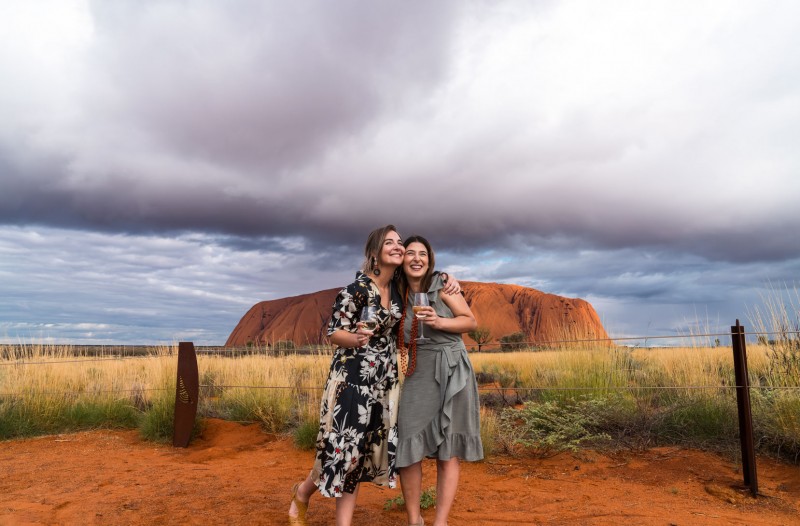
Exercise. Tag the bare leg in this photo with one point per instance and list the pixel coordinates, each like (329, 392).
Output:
(304, 492)
(345, 506)
(411, 483)
(446, 485)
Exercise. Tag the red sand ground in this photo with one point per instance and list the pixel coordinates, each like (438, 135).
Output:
(236, 474)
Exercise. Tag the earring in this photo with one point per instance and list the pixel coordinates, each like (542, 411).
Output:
(374, 265)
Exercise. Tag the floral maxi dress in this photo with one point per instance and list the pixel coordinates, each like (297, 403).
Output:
(357, 439)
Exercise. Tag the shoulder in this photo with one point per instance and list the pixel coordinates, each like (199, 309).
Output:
(356, 292)
(361, 285)
(437, 282)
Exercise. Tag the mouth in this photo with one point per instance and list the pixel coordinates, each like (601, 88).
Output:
(416, 268)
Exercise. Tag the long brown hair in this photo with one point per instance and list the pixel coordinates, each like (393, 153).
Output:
(373, 247)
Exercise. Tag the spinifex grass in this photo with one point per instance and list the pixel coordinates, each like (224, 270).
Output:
(49, 390)
(645, 396)
(648, 396)
(276, 391)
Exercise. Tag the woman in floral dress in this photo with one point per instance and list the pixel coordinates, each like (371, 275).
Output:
(357, 438)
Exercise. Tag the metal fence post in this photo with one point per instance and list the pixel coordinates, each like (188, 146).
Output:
(187, 387)
(743, 406)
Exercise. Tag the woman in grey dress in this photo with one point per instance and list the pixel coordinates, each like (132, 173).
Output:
(439, 412)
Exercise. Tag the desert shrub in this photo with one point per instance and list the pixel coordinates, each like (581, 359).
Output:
(776, 422)
(271, 408)
(305, 434)
(106, 413)
(490, 430)
(778, 317)
(699, 422)
(551, 427)
(513, 342)
(426, 500)
(157, 423)
(481, 336)
(283, 345)
(37, 415)
(495, 373)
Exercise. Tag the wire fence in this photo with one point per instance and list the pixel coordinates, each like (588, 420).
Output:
(167, 352)
(259, 351)
(480, 388)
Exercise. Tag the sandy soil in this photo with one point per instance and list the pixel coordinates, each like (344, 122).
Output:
(236, 474)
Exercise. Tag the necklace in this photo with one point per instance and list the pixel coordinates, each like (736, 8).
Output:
(407, 355)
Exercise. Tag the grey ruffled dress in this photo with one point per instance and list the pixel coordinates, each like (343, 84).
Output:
(439, 413)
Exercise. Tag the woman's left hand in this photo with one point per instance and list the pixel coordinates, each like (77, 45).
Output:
(431, 319)
(451, 285)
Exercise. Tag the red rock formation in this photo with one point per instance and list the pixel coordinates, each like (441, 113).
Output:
(503, 309)
(541, 317)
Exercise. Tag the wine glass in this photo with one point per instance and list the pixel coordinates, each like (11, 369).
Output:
(420, 301)
(369, 318)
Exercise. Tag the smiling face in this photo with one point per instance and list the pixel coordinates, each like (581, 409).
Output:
(392, 250)
(416, 261)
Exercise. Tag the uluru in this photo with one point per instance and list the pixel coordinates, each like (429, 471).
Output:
(501, 308)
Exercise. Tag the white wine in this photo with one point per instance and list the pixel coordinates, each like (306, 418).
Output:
(416, 309)
(369, 325)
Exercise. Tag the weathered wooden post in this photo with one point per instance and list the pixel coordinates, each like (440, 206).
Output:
(743, 405)
(187, 388)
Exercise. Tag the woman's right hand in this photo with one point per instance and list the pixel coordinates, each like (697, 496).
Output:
(362, 335)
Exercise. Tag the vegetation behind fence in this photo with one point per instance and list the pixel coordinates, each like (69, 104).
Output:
(545, 400)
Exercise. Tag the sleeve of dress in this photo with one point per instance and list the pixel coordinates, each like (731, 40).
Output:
(347, 308)
(437, 283)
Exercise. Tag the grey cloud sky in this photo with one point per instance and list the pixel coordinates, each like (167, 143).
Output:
(632, 151)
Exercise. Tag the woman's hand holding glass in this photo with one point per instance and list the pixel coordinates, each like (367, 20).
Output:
(421, 310)
(427, 315)
(366, 325)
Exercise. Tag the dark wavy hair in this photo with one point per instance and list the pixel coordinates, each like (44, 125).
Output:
(428, 277)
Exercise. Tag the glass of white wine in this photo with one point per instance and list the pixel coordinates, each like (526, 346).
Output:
(420, 301)
(369, 318)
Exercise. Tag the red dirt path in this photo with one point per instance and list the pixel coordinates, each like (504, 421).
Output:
(236, 474)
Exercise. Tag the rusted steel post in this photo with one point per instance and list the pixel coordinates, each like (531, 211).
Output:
(187, 388)
(743, 405)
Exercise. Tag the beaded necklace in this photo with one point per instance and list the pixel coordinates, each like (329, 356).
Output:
(404, 351)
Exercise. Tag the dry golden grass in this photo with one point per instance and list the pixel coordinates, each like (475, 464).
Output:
(57, 391)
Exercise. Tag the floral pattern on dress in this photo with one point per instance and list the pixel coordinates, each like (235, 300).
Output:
(357, 438)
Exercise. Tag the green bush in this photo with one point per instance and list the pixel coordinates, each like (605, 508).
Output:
(700, 422)
(157, 423)
(305, 434)
(283, 345)
(513, 342)
(426, 500)
(40, 415)
(551, 427)
(265, 406)
(776, 421)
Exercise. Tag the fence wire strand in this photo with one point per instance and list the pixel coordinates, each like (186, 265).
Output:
(484, 388)
(249, 352)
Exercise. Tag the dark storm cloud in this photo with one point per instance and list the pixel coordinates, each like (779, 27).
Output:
(465, 121)
(194, 117)
(644, 158)
(265, 84)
